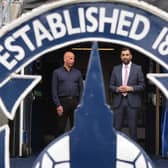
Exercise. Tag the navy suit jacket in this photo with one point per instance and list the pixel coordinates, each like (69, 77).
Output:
(136, 80)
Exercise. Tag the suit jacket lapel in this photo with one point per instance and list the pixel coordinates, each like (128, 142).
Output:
(120, 74)
(131, 73)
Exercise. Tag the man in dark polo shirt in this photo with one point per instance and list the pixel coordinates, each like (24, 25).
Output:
(67, 86)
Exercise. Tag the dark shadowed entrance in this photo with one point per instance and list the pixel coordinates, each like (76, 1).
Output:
(43, 127)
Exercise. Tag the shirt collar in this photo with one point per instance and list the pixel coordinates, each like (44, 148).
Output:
(67, 70)
(129, 65)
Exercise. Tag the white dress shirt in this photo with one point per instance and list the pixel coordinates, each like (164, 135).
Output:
(123, 71)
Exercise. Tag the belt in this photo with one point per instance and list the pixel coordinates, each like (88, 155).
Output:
(124, 96)
(69, 97)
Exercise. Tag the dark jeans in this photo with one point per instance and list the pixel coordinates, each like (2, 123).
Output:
(69, 105)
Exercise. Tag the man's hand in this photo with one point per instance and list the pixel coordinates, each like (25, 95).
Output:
(60, 110)
(124, 89)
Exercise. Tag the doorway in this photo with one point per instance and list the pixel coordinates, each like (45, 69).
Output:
(43, 110)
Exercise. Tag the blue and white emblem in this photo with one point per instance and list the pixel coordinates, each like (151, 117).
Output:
(93, 142)
(131, 23)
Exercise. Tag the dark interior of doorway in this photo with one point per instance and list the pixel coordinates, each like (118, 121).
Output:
(43, 109)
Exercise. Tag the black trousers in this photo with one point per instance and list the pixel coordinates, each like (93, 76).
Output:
(69, 105)
(125, 111)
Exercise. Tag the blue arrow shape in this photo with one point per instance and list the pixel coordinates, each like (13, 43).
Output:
(93, 139)
(4, 147)
(14, 91)
(161, 81)
(94, 86)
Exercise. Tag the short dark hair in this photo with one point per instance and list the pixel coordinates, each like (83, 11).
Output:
(126, 48)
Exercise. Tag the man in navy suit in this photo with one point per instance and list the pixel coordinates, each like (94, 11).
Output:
(126, 84)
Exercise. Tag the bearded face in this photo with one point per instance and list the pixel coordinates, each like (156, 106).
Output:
(126, 56)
